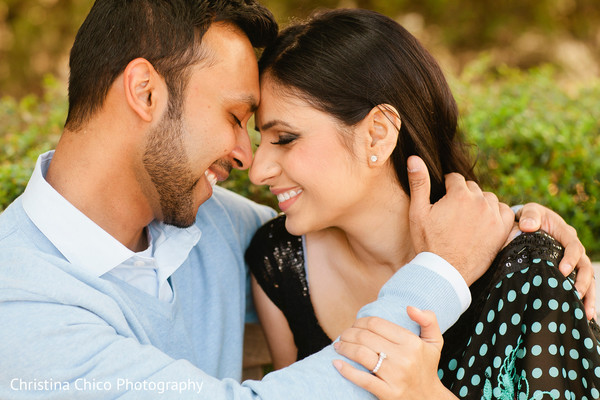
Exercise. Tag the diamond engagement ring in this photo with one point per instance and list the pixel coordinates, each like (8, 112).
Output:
(382, 356)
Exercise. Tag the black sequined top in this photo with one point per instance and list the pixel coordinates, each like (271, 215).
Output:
(525, 335)
(276, 259)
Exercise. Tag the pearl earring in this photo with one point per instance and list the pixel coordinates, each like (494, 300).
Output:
(373, 158)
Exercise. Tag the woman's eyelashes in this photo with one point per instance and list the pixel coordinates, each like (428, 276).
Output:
(284, 139)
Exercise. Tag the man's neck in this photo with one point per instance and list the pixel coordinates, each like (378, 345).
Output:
(99, 182)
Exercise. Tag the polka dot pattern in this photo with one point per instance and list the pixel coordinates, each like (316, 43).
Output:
(525, 336)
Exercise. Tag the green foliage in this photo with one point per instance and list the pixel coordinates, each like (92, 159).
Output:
(36, 35)
(472, 24)
(535, 140)
(27, 128)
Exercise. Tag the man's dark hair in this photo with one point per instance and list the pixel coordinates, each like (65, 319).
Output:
(167, 33)
(346, 62)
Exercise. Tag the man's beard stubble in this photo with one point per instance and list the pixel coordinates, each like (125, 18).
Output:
(167, 164)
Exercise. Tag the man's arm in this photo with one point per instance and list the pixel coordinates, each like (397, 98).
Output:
(47, 344)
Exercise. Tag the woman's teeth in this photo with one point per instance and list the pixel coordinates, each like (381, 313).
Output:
(288, 195)
(212, 178)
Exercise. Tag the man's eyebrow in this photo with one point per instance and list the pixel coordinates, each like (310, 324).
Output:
(271, 124)
(246, 99)
(251, 101)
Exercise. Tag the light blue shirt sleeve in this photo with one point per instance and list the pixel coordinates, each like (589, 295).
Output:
(315, 377)
(132, 370)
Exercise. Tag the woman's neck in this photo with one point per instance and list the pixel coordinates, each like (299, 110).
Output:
(355, 258)
(378, 231)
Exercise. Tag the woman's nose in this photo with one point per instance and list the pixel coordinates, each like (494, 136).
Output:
(264, 168)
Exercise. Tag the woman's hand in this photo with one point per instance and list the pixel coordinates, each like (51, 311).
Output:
(533, 217)
(409, 370)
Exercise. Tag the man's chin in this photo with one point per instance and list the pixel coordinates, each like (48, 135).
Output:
(181, 219)
(180, 222)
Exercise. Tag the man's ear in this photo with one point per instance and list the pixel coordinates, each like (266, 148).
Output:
(383, 126)
(144, 88)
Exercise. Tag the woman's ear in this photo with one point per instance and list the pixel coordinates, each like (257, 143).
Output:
(144, 88)
(383, 126)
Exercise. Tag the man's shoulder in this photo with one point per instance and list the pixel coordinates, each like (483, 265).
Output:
(14, 225)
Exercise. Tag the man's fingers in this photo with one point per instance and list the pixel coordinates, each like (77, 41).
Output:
(575, 255)
(473, 187)
(455, 181)
(491, 198)
(508, 217)
(530, 219)
(589, 302)
(585, 271)
(420, 185)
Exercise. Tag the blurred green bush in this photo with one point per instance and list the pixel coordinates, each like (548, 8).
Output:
(535, 140)
(27, 128)
(36, 35)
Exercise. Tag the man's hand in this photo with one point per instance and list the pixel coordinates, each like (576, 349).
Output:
(466, 227)
(533, 217)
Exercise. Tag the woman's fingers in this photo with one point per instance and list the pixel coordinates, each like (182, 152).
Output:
(363, 379)
(359, 353)
(408, 369)
(430, 330)
(384, 328)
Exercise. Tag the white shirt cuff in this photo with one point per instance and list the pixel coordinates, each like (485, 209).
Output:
(443, 268)
(516, 208)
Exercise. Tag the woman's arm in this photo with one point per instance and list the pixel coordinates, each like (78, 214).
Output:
(275, 326)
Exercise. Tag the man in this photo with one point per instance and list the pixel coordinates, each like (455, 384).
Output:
(121, 266)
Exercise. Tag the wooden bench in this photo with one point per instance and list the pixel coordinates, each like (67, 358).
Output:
(256, 353)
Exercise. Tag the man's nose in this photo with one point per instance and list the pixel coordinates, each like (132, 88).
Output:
(241, 155)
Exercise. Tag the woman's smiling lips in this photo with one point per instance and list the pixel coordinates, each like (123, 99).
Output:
(286, 197)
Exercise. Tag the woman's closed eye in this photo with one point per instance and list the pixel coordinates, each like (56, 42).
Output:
(285, 138)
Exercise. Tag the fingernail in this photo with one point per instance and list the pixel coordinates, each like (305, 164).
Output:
(337, 364)
(413, 165)
(336, 345)
(565, 269)
(528, 222)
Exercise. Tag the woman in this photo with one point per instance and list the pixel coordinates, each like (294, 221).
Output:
(346, 98)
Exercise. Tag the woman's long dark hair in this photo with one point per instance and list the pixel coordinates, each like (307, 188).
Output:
(345, 62)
